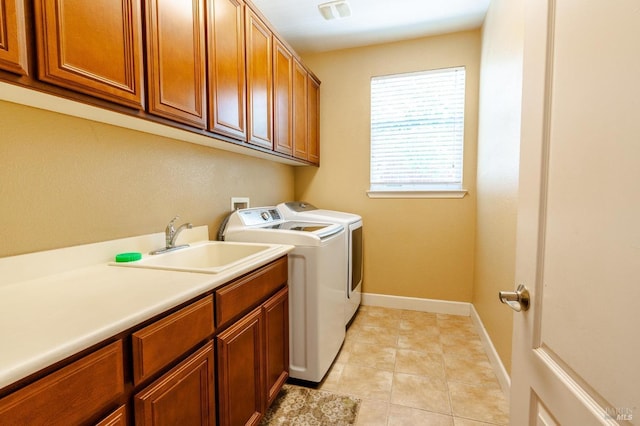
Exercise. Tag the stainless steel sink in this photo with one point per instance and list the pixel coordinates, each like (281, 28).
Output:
(210, 257)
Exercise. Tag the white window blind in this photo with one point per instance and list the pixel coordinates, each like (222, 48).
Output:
(417, 130)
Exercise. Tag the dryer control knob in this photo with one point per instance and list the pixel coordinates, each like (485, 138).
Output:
(265, 215)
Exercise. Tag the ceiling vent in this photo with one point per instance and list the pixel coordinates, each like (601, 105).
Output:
(334, 10)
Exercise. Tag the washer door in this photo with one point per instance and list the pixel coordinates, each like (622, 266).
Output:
(355, 257)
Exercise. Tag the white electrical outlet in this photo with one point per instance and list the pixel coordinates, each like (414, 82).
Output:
(239, 203)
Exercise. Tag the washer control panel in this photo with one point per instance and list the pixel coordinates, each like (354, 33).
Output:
(259, 216)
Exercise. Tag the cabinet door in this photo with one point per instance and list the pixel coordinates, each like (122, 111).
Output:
(300, 135)
(283, 98)
(176, 60)
(313, 120)
(276, 338)
(183, 396)
(240, 371)
(227, 77)
(91, 47)
(13, 41)
(259, 82)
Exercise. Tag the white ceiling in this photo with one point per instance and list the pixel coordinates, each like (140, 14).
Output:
(371, 21)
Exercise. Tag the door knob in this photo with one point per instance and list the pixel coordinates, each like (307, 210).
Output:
(517, 300)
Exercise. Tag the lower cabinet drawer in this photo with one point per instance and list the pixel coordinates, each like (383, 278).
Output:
(160, 343)
(72, 395)
(239, 297)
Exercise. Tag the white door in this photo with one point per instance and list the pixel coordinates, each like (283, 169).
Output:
(576, 352)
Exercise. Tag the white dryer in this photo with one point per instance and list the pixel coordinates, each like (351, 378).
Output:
(298, 210)
(316, 283)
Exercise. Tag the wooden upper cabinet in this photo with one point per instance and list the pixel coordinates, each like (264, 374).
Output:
(306, 115)
(282, 98)
(300, 135)
(13, 41)
(93, 47)
(313, 120)
(176, 60)
(259, 82)
(227, 76)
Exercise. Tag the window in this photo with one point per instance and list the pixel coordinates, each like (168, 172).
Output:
(417, 133)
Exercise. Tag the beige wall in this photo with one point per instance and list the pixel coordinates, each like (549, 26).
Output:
(498, 152)
(413, 247)
(66, 181)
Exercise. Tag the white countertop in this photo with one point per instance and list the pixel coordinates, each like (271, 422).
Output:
(48, 317)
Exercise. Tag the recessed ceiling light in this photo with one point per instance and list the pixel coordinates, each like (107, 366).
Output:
(335, 10)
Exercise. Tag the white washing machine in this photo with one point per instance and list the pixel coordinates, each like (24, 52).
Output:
(298, 210)
(316, 276)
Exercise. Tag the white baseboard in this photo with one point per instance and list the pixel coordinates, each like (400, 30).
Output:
(452, 308)
(416, 304)
(494, 358)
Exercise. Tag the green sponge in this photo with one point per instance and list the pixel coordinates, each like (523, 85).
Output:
(128, 257)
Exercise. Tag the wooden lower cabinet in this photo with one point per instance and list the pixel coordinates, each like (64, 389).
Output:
(75, 394)
(185, 329)
(276, 326)
(183, 396)
(116, 418)
(240, 371)
(253, 362)
(239, 297)
(163, 372)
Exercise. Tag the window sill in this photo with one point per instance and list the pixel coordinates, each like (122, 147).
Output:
(433, 193)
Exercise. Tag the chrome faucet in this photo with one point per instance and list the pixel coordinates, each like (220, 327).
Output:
(171, 234)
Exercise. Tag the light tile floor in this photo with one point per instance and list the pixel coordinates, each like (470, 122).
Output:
(417, 368)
